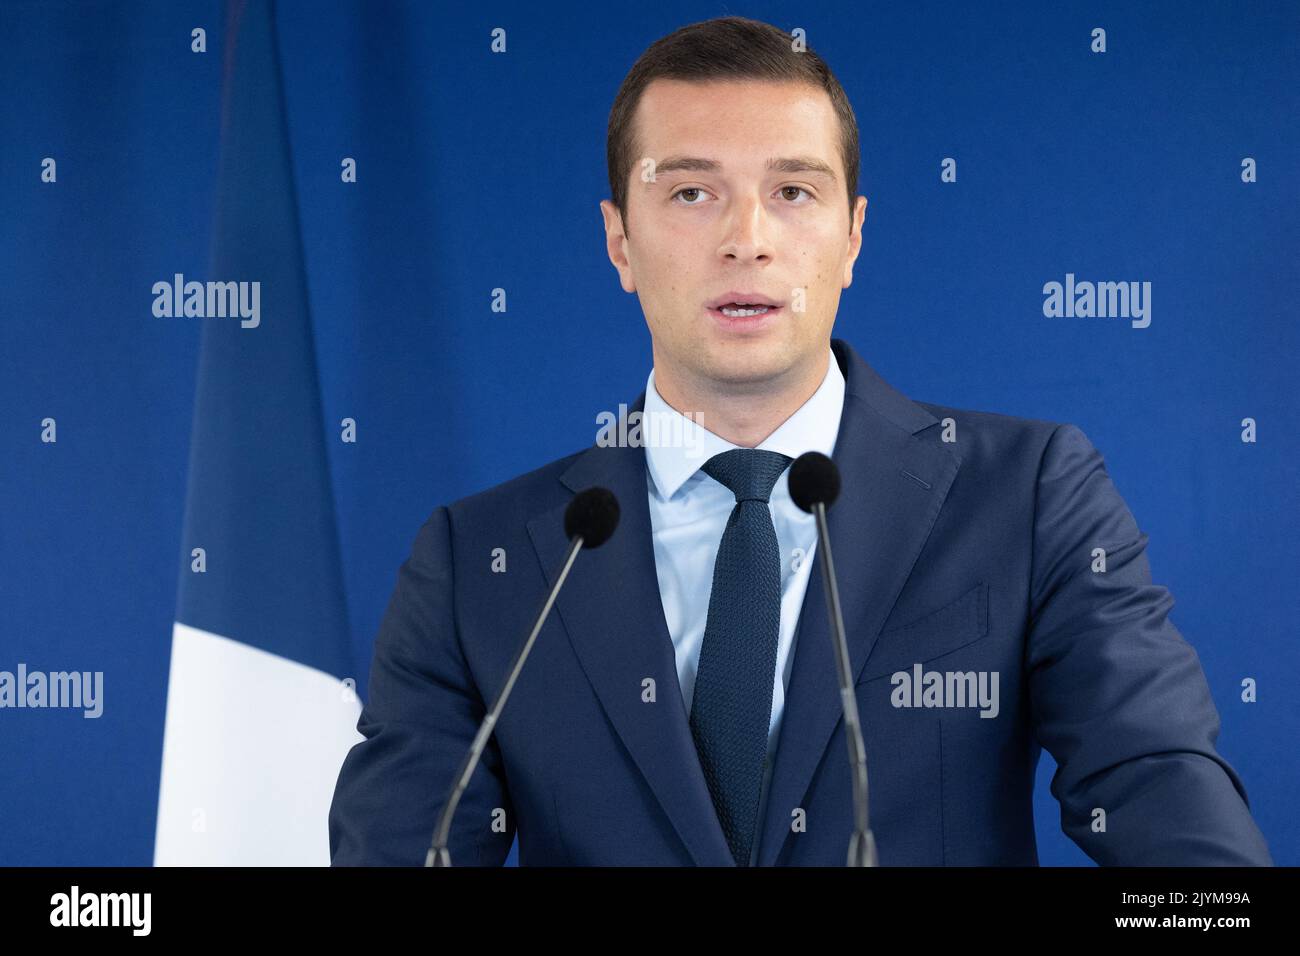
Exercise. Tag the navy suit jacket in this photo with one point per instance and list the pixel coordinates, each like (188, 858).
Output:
(973, 555)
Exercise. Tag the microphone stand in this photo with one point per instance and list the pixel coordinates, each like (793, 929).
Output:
(438, 854)
(862, 845)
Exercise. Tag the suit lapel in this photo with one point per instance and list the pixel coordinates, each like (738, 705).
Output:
(877, 528)
(613, 614)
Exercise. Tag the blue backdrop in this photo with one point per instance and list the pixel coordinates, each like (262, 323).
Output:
(478, 171)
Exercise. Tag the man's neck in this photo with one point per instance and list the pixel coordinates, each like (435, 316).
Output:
(743, 416)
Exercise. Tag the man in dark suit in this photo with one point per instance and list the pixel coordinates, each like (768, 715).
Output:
(681, 704)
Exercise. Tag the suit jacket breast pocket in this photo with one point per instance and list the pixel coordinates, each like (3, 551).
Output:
(952, 626)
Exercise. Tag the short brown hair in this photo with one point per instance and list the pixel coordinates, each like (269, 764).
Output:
(726, 48)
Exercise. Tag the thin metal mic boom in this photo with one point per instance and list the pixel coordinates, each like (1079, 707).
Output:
(438, 854)
(862, 845)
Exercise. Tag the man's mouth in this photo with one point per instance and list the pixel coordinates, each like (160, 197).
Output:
(736, 310)
(739, 305)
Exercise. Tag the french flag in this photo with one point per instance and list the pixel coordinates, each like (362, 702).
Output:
(260, 707)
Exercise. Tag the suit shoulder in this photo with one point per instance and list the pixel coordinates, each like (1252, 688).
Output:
(992, 437)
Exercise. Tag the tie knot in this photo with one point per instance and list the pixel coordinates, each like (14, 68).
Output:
(748, 472)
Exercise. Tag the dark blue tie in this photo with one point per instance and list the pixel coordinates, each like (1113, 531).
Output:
(732, 703)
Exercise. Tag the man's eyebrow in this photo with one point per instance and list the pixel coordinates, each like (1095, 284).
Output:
(787, 164)
(802, 164)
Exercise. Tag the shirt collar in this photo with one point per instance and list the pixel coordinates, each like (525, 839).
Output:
(676, 445)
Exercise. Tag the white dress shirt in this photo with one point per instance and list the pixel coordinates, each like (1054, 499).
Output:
(689, 511)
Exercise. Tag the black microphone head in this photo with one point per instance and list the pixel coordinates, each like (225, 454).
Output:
(814, 479)
(593, 514)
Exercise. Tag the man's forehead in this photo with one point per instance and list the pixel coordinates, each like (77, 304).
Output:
(690, 125)
(670, 102)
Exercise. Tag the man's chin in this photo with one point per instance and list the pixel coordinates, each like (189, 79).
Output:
(752, 364)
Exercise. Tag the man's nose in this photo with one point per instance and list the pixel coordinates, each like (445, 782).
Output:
(748, 231)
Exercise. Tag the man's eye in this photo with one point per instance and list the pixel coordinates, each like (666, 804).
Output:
(696, 189)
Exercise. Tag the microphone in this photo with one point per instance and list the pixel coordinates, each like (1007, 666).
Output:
(592, 516)
(589, 521)
(814, 484)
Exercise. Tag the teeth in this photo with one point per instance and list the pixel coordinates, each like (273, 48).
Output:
(744, 311)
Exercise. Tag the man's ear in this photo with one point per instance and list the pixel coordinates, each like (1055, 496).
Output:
(616, 244)
(855, 239)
